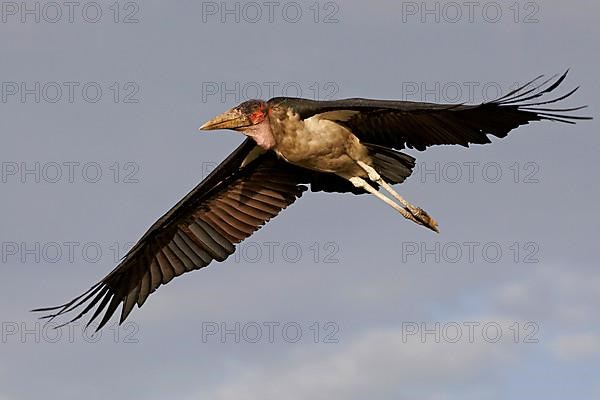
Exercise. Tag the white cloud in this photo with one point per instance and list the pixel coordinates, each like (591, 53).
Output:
(577, 346)
(377, 364)
(558, 295)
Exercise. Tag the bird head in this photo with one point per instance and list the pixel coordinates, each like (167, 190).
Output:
(247, 114)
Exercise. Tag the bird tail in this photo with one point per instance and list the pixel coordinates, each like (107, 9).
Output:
(392, 165)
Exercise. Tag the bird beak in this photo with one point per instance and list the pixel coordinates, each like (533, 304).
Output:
(231, 119)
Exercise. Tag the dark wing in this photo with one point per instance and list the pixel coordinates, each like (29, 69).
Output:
(235, 200)
(405, 124)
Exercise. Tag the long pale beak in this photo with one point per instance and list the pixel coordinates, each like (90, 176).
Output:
(231, 119)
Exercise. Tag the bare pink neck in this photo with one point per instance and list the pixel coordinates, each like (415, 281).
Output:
(261, 133)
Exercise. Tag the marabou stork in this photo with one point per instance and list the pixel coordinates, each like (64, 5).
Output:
(333, 146)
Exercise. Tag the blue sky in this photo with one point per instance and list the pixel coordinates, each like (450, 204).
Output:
(336, 284)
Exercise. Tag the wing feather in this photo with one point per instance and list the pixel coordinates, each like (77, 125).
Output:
(227, 207)
(405, 124)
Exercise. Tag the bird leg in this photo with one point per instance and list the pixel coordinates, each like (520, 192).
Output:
(362, 184)
(418, 214)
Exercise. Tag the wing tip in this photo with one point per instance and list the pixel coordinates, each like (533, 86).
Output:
(519, 100)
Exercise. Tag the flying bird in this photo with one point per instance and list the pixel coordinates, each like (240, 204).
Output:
(345, 146)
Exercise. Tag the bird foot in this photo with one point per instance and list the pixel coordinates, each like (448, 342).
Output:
(424, 218)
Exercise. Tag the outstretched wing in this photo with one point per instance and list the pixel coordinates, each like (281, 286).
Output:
(235, 200)
(405, 124)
